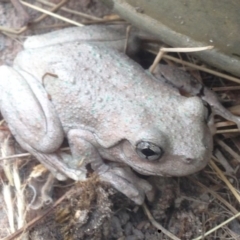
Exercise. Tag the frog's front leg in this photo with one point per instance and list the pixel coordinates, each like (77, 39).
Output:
(188, 84)
(32, 119)
(84, 150)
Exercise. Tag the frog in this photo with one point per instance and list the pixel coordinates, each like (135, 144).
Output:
(120, 120)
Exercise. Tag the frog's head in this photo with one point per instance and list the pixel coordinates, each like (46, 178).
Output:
(179, 146)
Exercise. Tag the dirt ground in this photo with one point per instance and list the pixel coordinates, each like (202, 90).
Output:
(188, 207)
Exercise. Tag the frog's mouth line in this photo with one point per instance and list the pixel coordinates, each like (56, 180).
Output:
(176, 167)
(168, 165)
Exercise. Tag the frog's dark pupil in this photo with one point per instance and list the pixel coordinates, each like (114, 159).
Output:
(148, 152)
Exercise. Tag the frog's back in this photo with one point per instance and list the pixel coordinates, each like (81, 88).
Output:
(94, 87)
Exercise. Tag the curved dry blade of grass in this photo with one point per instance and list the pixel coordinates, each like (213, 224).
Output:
(228, 149)
(216, 195)
(6, 164)
(19, 191)
(13, 189)
(163, 50)
(81, 14)
(197, 67)
(229, 88)
(52, 14)
(15, 156)
(224, 124)
(46, 13)
(217, 227)
(7, 195)
(21, 155)
(158, 225)
(204, 69)
(33, 222)
(225, 180)
(54, 9)
(227, 131)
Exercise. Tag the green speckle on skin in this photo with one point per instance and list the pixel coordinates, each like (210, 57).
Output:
(127, 120)
(107, 99)
(93, 111)
(150, 98)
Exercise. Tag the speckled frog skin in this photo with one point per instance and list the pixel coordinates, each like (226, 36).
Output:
(107, 106)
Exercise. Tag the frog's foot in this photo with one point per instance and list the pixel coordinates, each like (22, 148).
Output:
(42, 188)
(120, 177)
(54, 162)
(125, 181)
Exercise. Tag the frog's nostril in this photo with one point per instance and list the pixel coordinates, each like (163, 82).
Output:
(189, 160)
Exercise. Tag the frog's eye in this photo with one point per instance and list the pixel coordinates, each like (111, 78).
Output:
(150, 151)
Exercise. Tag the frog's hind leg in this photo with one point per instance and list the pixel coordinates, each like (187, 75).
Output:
(29, 113)
(33, 121)
(54, 162)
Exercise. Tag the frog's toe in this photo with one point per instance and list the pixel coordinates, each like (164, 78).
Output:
(124, 186)
(125, 181)
(42, 188)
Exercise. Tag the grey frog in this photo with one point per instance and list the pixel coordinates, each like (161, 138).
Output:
(65, 84)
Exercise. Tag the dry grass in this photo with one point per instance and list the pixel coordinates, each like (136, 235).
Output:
(13, 189)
